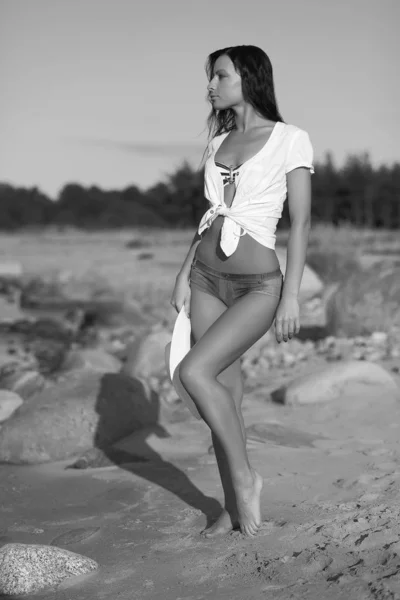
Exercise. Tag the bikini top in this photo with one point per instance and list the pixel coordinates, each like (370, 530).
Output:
(228, 174)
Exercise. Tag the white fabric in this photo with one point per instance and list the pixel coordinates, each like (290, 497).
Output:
(261, 187)
(175, 351)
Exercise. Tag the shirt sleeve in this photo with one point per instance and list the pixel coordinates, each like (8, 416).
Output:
(300, 153)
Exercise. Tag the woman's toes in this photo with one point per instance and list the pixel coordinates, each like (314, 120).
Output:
(249, 531)
(254, 529)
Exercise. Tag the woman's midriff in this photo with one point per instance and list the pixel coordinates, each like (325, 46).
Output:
(249, 256)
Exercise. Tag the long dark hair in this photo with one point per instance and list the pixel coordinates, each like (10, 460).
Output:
(255, 70)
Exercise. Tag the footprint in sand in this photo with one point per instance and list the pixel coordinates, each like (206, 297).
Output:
(280, 435)
(373, 482)
(74, 536)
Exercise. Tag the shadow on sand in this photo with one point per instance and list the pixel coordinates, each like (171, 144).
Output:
(123, 397)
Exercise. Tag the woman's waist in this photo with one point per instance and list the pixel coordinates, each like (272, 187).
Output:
(249, 257)
(245, 213)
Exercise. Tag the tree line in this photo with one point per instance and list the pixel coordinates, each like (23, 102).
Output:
(356, 194)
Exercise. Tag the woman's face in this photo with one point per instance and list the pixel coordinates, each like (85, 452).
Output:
(225, 85)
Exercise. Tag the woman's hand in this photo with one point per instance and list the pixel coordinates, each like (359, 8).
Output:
(181, 294)
(287, 318)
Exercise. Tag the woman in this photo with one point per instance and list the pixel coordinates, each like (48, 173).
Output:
(230, 282)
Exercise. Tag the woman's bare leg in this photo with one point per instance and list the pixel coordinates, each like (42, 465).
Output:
(229, 518)
(234, 331)
(204, 310)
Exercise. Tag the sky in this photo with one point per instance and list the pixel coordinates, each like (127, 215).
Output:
(113, 92)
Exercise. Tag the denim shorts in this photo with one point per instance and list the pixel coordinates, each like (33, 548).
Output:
(229, 287)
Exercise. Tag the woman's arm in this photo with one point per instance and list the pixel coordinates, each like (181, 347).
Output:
(299, 200)
(287, 319)
(185, 269)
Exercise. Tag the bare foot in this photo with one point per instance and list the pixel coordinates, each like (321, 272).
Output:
(222, 525)
(248, 504)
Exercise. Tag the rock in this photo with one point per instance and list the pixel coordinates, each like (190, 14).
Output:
(10, 270)
(332, 264)
(61, 294)
(30, 568)
(146, 356)
(289, 359)
(94, 458)
(115, 340)
(44, 340)
(91, 358)
(329, 383)
(45, 329)
(311, 284)
(9, 402)
(14, 360)
(83, 410)
(9, 311)
(50, 354)
(366, 302)
(58, 286)
(379, 338)
(126, 311)
(11, 373)
(375, 356)
(24, 383)
(395, 352)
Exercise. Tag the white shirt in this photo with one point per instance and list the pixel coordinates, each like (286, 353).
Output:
(260, 187)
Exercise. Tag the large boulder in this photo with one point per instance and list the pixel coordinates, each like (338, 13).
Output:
(31, 568)
(333, 264)
(365, 302)
(329, 383)
(146, 355)
(85, 409)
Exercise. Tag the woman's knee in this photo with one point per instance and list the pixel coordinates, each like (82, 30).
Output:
(188, 374)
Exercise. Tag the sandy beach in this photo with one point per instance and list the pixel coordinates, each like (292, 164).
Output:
(330, 505)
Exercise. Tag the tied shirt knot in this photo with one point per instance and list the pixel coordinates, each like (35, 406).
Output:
(230, 232)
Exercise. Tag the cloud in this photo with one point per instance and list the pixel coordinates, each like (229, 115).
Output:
(151, 148)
